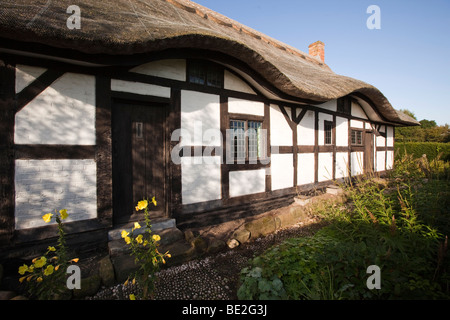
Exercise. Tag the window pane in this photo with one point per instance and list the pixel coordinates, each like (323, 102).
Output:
(238, 139)
(197, 73)
(254, 139)
(328, 132)
(214, 76)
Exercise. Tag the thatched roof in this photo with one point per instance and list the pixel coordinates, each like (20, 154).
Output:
(127, 27)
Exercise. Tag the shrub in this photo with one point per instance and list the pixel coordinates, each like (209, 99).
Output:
(417, 149)
(144, 248)
(45, 278)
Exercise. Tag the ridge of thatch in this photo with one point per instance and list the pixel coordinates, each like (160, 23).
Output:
(127, 27)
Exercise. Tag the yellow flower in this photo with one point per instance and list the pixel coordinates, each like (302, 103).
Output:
(156, 237)
(154, 201)
(39, 279)
(168, 255)
(125, 283)
(132, 297)
(124, 234)
(142, 205)
(127, 240)
(49, 270)
(136, 226)
(75, 260)
(23, 269)
(57, 267)
(139, 238)
(63, 214)
(47, 217)
(51, 248)
(40, 262)
(145, 243)
(21, 279)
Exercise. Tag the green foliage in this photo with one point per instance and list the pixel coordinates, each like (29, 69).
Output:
(432, 149)
(400, 227)
(144, 248)
(45, 277)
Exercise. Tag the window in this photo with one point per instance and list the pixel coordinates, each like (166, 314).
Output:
(328, 132)
(357, 138)
(205, 73)
(247, 139)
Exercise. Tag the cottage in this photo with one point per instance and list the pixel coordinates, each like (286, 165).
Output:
(167, 98)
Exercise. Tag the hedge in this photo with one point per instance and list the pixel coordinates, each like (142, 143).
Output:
(417, 149)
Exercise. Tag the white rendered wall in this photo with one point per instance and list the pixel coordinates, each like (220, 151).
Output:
(232, 82)
(325, 166)
(381, 161)
(341, 132)
(236, 105)
(357, 159)
(390, 160)
(330, 105)
(247, 182)
(357, 111)
(200, 181)
(282, 171)
(43, 186)
(140, 88)
(174, 69)
(25, 75)
(341, 165)
(199, 113)
(64, 113)
(390, 136)
(322, 118)
(305, 129)
(357, 124)
(305, 168)
(280, 131)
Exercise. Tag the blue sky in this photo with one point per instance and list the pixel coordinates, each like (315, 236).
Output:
(408, 59)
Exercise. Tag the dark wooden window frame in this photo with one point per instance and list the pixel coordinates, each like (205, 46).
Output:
(208, 67)
(328, 127)
(361, 132)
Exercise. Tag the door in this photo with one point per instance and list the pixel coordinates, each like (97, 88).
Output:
(139, 165)
(368, 152)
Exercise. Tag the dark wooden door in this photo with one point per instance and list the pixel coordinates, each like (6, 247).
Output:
(368, 152)
(139, 165)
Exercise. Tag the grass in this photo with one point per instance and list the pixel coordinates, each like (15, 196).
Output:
(399, 224)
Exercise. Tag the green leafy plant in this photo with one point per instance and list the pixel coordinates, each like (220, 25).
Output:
(45, 277)
(144, 248)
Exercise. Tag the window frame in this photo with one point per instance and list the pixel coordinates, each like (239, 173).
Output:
(360, 132)
(261, 148)
(329, 134)
(207, 67)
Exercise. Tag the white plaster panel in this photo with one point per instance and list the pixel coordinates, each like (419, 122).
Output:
(357, 111)
(330, 105)
(381, 141)
(282, 171)
(357, 159)
(341, 132)
(247, 182)
(64, 113)
(390, 136)
(325, 166)
(381, 161)
(280, 131)
(305, 168)
(43, 186)
(390, 160)
(140, 88)
(174, 69)
(232, 82)
(200, 112)
(26, 75)
(357, 124)
(305, 129)
(341, 165)
(200, 179)
(236, 105)
(323, 117)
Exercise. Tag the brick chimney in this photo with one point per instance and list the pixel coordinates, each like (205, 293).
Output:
(317, 50)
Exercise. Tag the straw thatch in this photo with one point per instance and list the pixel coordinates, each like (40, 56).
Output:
(126, 27)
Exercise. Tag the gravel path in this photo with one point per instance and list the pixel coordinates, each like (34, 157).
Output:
(215, 277)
